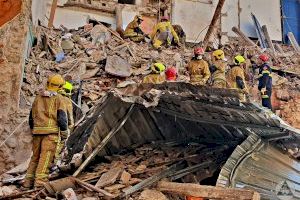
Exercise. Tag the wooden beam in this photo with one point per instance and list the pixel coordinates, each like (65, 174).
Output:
(209, 192)
(243, 36)
(103, 143)
(268, 39)
(211, 28)
(52, 13)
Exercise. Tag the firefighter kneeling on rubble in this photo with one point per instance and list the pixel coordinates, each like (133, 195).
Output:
(157, 75)
(198, 68)
(163, 33)
(236, 77)
(265, 81)
(134, 31)
(48, 118)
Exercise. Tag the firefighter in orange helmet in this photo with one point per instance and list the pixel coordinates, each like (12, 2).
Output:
(48, 117)
(198, 68)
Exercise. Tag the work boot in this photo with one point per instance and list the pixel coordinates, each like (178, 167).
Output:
(27, 185)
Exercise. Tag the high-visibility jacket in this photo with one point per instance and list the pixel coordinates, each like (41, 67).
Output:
(154, 78)
(265, 77)
(219, 74)
(69, 106)
(236, 78)
(163, 27)
(48, 113)
(199, 71)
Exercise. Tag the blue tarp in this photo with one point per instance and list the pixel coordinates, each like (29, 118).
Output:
(291, 18)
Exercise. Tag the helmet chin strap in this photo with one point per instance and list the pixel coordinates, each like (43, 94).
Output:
(199, 57)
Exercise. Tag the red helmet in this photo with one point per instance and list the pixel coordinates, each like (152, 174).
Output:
(198, 51)
(264, 57)
(171, 74)
(164, 18)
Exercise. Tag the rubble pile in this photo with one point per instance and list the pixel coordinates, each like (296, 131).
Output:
(134, 171)
(100, 65)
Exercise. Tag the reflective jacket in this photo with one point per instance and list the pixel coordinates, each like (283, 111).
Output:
(236, 78)
(199, 71)
(130, 29)
(163, 27)
(220, 67)
(265, 77)
(154, 78)
(69, 106)
(48, 113)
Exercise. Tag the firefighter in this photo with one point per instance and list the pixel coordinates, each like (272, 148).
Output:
(134, 31)
(157, 75)
(265, 81)
(171, 74)
(236, 77)
(66, 92)
(198, 68)
(218, 69)
(163, 33)
(47, 119)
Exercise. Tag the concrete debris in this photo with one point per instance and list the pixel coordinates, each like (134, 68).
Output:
(152, 195)
(109, 177)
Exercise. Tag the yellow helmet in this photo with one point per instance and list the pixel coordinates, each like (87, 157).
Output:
(68, 87)
(219, 54)
(239, 60)
(55, 82)
(158, 68)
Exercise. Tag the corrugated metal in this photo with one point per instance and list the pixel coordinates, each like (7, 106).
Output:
(183, 111)
(258, 165)
(291, 18)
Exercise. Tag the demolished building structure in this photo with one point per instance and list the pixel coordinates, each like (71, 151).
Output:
(252, 137)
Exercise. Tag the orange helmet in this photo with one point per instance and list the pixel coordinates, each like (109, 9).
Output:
(264, 57)
(198, 51)
(171, 74)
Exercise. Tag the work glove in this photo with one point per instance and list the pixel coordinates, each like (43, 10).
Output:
(263, 91)
(212, 69)
(65, 134)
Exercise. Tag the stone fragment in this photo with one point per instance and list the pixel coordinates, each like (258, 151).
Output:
(152, 195)
(109, 177)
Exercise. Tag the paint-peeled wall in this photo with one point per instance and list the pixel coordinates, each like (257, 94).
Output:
(195, 16)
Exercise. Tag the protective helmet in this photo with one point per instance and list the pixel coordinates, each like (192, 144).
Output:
(198, 51)
(264, 57)
(219, 54)
(55, 82)
(164, 18)
(239, 60)
(158, 68)
(171, 74)
(68, 87)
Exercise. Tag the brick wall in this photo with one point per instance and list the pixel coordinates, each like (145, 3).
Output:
(12, 44)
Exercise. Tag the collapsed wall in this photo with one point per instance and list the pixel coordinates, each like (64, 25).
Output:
(13, 42)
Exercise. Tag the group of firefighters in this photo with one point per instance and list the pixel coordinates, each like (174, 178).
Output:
(51, 118)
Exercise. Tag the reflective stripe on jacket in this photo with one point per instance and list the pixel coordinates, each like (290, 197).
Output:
(48, 114)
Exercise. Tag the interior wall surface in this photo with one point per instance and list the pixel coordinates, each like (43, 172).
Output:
(195, 16)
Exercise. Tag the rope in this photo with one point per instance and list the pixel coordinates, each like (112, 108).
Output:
(13, 132)
(200, 33)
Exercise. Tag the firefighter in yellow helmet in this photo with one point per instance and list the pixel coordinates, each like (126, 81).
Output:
(48, 117)
(157, 76)
(198, 68)
(236, 77)
(218, 69)
(163, 33)
(66, 92)
(134, 31)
